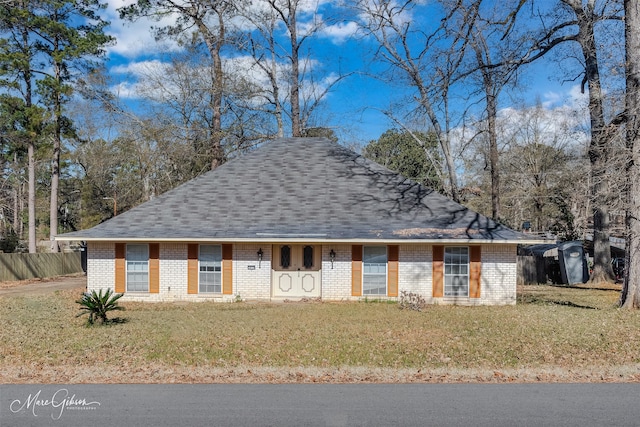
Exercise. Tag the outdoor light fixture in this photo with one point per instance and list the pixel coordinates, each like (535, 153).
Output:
(332, 257)
(260, 253)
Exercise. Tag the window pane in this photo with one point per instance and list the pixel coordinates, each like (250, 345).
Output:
(456, 271)
(376, 254)
(137, 268)
(285, 256)
(307, 256)
(374, 268)
(210, 269)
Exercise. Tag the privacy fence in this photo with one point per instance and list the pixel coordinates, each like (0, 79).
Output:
(528, 273)
(30, 266)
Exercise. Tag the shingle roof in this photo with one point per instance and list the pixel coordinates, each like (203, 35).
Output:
(300, 188)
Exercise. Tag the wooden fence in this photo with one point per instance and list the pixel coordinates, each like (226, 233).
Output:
(527, 270)
(30, 266)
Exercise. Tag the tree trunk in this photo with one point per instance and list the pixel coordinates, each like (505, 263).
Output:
(216, 131)
(276, 90)
(493, 151)
(53, 207)
(296, 128)
(214, 44)
(602, 270)
(630, 296)
(31, 149)
(55, 162)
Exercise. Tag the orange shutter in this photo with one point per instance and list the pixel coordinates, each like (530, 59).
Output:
(356, 270)
(120, 268)
(227, 269)
(475, 267)
(192, 268)
(437, 279)
(154, 268)
(393, 253)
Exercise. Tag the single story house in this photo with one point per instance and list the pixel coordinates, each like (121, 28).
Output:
(302, 218)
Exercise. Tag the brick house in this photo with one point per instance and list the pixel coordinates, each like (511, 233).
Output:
(302, 218)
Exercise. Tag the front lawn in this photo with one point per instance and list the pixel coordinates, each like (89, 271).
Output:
(553, 334)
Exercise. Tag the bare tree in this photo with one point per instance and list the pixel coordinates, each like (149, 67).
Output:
(208, 22)
(492, 71)
(426, 66)
(577, 22)
(630, 296)
(263, 47)
(291, 76)
(539, 153)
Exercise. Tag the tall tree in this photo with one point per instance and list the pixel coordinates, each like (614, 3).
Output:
(540, 152)
(489, 68)
(578, 23)
(630, 296)
(426, 59)
(206, 21)
(69, 36)
(45, 44)
(18, 55)
(279, 29)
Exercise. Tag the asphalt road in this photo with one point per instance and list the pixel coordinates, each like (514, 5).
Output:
(321, 405)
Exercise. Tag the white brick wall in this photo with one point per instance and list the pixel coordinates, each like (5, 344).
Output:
(252, 280)
(336, 281)
(415, 269)
(101, 266)
(173, 271)
(499, 274)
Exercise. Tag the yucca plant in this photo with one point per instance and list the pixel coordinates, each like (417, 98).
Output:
(98, 304)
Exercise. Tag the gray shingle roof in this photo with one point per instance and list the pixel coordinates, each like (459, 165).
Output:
(300, 188)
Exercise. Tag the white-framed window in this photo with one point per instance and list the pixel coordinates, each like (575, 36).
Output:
(210, 269)
(374, 270)
(456, 271)
(137, 268)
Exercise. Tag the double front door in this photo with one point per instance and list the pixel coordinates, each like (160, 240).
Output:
(296, 271)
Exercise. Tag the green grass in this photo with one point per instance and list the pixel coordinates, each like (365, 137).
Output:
(549, 328)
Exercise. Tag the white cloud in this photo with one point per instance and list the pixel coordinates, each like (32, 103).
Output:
(340, 32)
(139, 69)
(135, 38)
(561, 121)
(125, 90)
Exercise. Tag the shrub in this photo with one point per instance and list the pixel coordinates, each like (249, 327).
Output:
(411, 301)
(98, 304)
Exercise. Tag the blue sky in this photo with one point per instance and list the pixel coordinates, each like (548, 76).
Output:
(354, 106)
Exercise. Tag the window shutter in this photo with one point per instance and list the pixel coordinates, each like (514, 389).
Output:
(120, 268)
(437, 279)
(227, 269)
(475, 269)
(192, 268)
(356, 270)
(393, 253)
(154, 268)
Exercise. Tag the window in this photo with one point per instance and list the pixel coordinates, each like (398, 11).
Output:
(210, 267)
(307, 255)
(456, 272)
(137, 268)
(285, 256)
(374, 271)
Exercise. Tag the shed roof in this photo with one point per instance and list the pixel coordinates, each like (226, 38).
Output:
(300, 189)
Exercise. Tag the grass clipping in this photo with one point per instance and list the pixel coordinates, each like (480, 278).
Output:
(553, 334)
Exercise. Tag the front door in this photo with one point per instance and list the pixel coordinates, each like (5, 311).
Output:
(296, 271)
